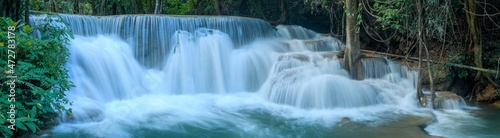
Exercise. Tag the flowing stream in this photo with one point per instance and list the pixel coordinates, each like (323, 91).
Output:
(207, 76)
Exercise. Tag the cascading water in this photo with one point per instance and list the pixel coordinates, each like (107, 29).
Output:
(152, 35)
(189, 76)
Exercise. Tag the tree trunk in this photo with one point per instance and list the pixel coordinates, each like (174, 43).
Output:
(151, 7)
(103, 7)
(420, 94)
(6, 9)
(217, 7)
(54, 7)
(157, 7)
(431, 79)
(76, 7)
(113, 9)
(123, 10)
(2, 8)
(474, 35)
(283, 15)
(27, 11)
(18, 10)
(162, 6)
(352, 51)
(95, 8)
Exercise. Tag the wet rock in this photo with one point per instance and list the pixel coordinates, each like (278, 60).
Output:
(487, 94)
(346, 123)
(496, 104)
(344, 120)
(409, 126)
(445, 100)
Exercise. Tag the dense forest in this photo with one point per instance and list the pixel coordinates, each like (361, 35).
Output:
(458, 40)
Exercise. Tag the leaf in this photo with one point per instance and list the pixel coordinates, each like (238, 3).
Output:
(26, 29)
(2, 119)
(33, 112)
(26, 119)
(20, 125)
(6, 129)
(19, 24)
(32, 126)
(12, 23)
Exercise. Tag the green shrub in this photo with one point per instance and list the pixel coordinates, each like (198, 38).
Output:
(42, 80)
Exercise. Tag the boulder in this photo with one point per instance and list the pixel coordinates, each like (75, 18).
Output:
(487, 94)
(448, 100)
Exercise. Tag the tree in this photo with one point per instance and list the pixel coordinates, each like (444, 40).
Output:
(217, 5)
(352, 51)
(157, 7)
(474, 35)
(103, 7)
(420, 94)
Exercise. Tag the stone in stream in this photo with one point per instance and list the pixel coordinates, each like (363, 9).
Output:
(496, 104)
(346, 123)
(445, 100)
(407, 126)
(410, 126)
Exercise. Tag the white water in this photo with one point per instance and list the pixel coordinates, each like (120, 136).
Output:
(219, 82)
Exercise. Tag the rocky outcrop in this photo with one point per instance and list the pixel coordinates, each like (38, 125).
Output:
(488, 94)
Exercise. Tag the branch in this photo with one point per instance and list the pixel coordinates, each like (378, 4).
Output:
(379, 39)
(427, 60)
(371, 9)
(475, 14)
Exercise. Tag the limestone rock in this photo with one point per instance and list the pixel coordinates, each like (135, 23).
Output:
(487, 94)
(445, 100)
(448, 100)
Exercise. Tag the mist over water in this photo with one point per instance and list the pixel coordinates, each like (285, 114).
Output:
(187, 76)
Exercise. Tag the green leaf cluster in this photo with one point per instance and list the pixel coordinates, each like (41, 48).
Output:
(390, 13)
(181, 7)
(42, 79)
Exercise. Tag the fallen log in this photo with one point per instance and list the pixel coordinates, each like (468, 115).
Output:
(341, 55)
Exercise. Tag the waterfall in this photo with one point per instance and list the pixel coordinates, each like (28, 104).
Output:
(151, 35)
(312, 81)
(296, 32)
(199, 76)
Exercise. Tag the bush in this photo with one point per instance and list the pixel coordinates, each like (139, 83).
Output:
(38, 90)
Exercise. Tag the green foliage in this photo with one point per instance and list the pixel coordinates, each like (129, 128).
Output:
(44, 5)
(181, 7)
(41, 80)
(390, 13)
(63, 6)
